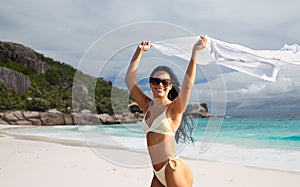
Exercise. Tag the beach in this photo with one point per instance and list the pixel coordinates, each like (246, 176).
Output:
(41, 162)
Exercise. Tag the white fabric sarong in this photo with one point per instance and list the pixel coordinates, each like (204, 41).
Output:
(263, 64)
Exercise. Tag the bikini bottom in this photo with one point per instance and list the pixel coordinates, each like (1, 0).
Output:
(160, 174)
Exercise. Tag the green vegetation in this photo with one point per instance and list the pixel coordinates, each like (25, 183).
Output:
(54, 90)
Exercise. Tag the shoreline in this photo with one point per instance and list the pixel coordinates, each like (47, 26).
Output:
(103, 146)
(83, 143)
(77, 165)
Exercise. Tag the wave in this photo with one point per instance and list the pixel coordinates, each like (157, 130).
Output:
(285, 138)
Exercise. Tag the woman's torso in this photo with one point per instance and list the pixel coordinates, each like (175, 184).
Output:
(160, 136)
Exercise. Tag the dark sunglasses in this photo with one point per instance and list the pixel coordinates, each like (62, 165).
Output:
(157, 81)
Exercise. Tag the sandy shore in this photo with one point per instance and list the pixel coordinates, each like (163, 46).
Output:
(30, 163)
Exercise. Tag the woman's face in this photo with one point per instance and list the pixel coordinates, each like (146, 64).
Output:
(160, 90)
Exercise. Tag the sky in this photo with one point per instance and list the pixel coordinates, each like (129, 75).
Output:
(77, 32)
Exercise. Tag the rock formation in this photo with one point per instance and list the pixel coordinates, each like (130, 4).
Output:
(19, 82)
(22, 55)
(85, 117)
(134, 107)
(54, 117)
(199, 110)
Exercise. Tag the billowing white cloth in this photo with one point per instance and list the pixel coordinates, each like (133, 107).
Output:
(263, 64)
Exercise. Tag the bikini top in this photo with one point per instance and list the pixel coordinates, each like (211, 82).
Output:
(160, 124)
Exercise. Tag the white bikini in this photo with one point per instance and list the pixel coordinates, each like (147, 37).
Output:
(161, 125)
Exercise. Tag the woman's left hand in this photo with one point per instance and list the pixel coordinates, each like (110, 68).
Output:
(201, 44)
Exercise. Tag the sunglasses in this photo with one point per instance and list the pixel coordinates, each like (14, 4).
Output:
(157, 81)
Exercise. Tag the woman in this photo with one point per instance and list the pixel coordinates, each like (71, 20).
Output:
(164, 116)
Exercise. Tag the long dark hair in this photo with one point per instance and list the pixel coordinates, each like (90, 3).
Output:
(185, 131)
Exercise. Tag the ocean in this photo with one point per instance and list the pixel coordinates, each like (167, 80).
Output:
(272, 143)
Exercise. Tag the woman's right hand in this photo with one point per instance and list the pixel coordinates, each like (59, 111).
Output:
(145, 45)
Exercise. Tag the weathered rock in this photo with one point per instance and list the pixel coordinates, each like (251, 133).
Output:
(139, 116)
(18, 115)
(134, 107)
(122, 118)
(31, 115)
(118, 116)
(84, 119)
(52, 118)
(14, 118)
(129, 118)
(21, 122)
(10, 117)
(203, 107)
(199, 110)
(105, 117)
(19, 82)
(22, 55)
(68, 119)
(2, 122)
(36, 122)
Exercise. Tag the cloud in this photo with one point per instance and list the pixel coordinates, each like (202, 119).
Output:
(65, 30)
(260, 96)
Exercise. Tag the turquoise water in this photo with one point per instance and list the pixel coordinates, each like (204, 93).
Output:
(277, 133)
(261, 142)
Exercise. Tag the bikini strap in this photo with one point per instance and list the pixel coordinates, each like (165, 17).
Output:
(171, 163)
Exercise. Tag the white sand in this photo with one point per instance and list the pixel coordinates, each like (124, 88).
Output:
(31, 163)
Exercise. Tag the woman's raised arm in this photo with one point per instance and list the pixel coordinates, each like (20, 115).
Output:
(135, 90)
(188, 82)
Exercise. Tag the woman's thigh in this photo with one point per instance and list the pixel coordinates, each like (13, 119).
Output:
(181, 176)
